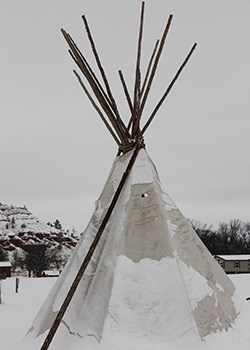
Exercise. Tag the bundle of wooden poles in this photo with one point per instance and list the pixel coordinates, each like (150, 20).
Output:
(101, 97)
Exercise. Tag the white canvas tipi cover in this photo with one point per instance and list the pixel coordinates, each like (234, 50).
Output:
(150, 277)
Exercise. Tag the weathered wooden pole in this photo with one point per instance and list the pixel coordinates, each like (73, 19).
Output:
(137, 86)
(17, 284)
(96, 108)
(155, 65)
(91, 251)
(168, 89)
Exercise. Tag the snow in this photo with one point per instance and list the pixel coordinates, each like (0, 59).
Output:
(5, 264)
(152, 282)
(235, 257)
(157, 289)
(18, 311)
(21, 216)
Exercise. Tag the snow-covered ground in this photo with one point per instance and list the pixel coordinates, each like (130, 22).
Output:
(17, 312)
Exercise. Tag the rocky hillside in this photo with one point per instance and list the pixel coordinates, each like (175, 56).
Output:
(19, 228)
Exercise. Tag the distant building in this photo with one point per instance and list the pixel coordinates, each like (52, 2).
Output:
(234, 263)
(50, 273)
(5, 269)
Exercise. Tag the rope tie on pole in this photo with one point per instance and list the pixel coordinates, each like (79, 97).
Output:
(130, 146)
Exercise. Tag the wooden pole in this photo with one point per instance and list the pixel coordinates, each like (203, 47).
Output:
(95, 89)
(91, 251)
(144, 82)
(105, 80)
(17, 284)
(137, 86)
(149, 67)
(90, 70)
(124, 85)
(98, 61)
(168, 89)
(80, 60)
(97, 108)
(156, 61)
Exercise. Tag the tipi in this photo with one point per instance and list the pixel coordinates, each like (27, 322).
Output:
(139, 271)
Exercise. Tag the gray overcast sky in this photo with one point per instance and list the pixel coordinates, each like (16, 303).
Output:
(55, 152)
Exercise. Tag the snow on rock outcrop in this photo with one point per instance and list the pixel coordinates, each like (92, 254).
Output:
(19, 228)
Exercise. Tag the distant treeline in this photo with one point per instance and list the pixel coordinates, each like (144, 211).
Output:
(229, 238)
(36, 258)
